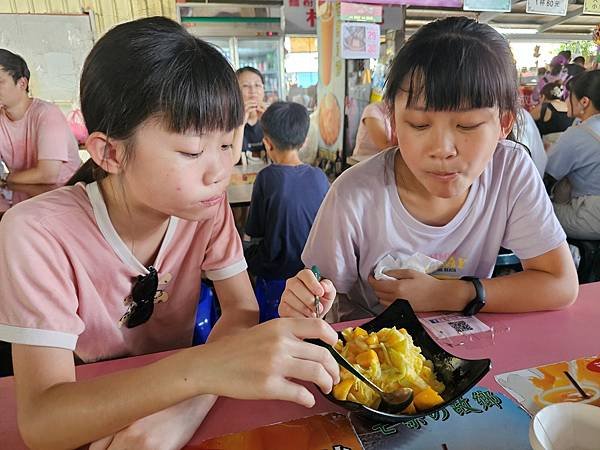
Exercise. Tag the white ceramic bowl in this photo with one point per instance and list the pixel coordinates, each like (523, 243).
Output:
(566, 426)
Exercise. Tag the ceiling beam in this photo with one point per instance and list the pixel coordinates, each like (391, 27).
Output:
(576, 12)
(486, 17)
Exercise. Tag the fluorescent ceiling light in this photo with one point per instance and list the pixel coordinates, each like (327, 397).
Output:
(515, 30)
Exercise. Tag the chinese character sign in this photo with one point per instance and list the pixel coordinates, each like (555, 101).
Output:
(360, 40)
(591, 7)
(300, 16)
(551, 7)
(487, 5)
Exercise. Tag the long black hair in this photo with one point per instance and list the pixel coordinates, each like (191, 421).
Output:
(153, 68)
(587, 85)
(452, 64)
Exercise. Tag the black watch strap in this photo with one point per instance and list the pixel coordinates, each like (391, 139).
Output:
(475, 305)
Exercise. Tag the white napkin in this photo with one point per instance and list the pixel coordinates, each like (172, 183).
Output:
(417, 261)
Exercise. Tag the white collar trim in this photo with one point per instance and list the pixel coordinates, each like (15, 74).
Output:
(112, 237)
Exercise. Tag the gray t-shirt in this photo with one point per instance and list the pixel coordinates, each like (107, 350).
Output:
(576, 155)
(362, 220)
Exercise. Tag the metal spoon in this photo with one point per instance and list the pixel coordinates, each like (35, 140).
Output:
(395, 401)
(317, 273)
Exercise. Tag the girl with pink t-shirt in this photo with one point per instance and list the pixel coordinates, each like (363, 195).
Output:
(111, 268)
(451, 194)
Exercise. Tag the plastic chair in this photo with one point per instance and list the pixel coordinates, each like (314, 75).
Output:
(268, 293)
(589, 266)
(207, 313)
(506, 263)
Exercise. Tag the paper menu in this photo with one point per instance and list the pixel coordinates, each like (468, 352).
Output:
(540, 386)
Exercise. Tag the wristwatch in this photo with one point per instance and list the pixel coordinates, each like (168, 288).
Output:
(475, 305)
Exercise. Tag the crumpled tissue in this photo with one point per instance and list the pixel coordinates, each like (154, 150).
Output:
(417, 261)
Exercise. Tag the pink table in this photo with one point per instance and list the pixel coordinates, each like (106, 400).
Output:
(533, 339)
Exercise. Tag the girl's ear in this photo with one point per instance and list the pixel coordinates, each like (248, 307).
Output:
(106, 153)
(585, 102)
(507, 121)
(23, 83)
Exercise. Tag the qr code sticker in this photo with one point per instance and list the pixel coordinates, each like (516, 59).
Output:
(460, 326)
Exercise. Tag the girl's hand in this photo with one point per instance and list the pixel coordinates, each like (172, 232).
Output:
(424, 292)
(264, 361)
(298, 298)
(169, 429)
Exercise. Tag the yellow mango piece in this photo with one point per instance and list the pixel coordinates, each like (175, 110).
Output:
(366, 359)
(339, 345)
(410, 409)
(373, 339)
(340, 390)
(358, 331)
(426, 399)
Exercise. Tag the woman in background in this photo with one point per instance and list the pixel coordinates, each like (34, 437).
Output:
(374, 131)
(575, 158)
(551, 113)
(252, 84)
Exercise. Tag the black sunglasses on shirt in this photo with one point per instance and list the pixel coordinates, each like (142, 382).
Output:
(141, 300)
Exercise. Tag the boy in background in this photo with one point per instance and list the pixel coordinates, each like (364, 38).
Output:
(285, 199)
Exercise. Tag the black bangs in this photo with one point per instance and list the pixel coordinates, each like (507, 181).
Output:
(201, 94)
(153, 68)
(454, 64)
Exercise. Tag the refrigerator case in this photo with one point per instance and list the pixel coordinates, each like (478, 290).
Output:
(248, 35)
(264, 54)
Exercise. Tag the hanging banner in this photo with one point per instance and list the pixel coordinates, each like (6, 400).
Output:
(300, 16)
(360, 40)
(549, 7)
(488, 5)
(591, 7)
(331, 89)
(443, 3)
(355, 12)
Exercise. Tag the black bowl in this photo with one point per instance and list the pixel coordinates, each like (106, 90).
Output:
(458, 375)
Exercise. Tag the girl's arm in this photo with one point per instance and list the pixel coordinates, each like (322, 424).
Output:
(57, 411)
(239, 309)
(536, 111)
(377, 133)
(548, 282)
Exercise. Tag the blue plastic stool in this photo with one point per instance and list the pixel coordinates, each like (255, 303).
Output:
(506, 263)
(589, 266)
(206, 314)
(268, 293)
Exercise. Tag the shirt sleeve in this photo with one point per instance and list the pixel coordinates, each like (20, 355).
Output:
(331, 244)
(224, 256)
(39, 296)
(532, 228)
(255, 224)
(373, 111)
(53, 136)
(562, 158)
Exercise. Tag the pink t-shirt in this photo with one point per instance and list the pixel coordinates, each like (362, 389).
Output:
(65, 272)
(364, 143)
(42, 133)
